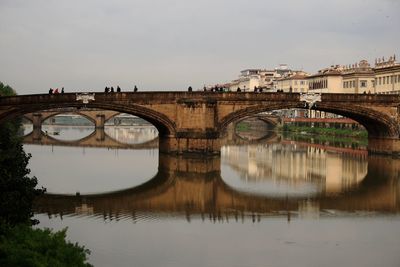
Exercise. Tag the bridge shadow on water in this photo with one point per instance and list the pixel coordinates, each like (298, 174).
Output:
(193, 188)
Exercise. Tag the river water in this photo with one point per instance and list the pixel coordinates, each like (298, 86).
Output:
(270, 201)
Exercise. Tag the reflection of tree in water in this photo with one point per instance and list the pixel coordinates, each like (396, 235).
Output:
(252, 129)
(331, 172)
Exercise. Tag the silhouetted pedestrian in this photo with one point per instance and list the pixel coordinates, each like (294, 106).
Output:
(135, 89)
(62, 90)
(118, 89)
(204, 89)
(238, 89)
(56, 91)
(112, 89)
(190, 89)
(50, 91)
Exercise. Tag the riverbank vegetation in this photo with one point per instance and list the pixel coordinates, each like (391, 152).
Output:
(342, 132)
(356, 138)
(20, 244)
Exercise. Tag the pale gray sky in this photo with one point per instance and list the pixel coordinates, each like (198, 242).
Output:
(170, 44)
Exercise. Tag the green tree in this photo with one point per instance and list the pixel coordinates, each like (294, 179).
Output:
(17, 189)
(6, 90)
(20, 245)
(23, 246)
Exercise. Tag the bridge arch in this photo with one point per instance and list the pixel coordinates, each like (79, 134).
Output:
(163, 124)
(77, 113)
(377, 124)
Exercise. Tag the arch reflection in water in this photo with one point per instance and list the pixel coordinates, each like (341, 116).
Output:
(98, 138)
(67, 133)
(82, 166)
(132, 135)
(68, 126)
(193, 188)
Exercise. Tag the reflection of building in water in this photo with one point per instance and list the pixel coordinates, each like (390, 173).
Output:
(132, 135)
(296, 165)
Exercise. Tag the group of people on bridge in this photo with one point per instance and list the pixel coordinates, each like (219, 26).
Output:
(111, 89)
(225, 89)
(55, 91)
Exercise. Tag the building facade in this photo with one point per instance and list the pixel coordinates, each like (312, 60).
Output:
(387, 76)
(327, 80)
(296, 83)
(358, 78)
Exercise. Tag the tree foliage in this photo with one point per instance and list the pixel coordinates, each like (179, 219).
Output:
(6, 90)
(20, 245)
(23, 246)
(17, 189)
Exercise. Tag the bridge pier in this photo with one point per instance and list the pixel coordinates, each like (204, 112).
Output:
(37, 126)
(100, 134)
(193, 165)
(37, 134)
(388, 146)
(100, 121)
(188, 145)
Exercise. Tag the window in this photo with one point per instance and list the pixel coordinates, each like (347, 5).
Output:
(301, 82)
(380, 80)
(363, 83)
(344, 84)
(384, 80)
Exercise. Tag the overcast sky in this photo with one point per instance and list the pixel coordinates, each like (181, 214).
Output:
(85, 45)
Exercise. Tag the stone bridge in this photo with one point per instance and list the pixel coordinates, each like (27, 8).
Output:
(98, 138)
(192, 122)
(97, 117)
(195, 187)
